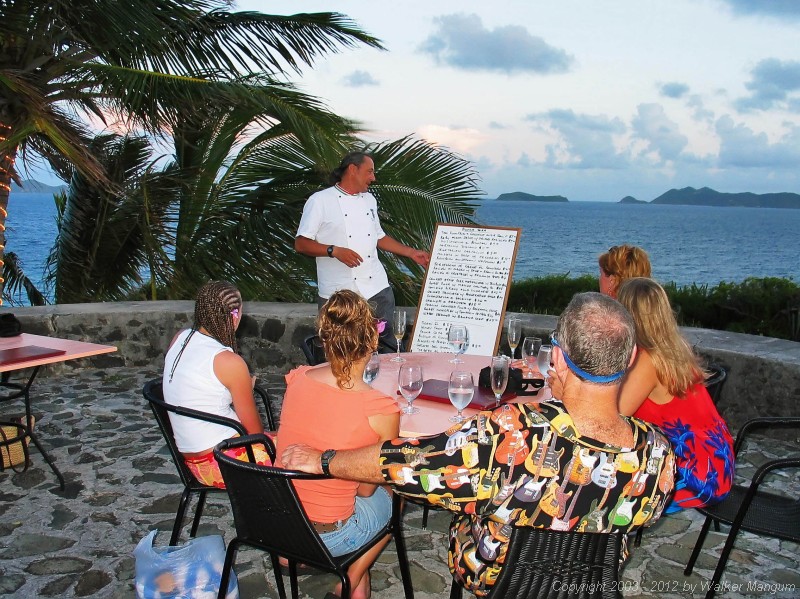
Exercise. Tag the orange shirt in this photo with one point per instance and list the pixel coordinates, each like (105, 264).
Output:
(326, 417)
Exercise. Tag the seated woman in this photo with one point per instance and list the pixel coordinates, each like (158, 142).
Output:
(202, 371)
(620, 263)
(665, 387)
(331, 406)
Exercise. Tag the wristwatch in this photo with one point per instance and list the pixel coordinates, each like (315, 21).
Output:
(330, 251)
(325, 461)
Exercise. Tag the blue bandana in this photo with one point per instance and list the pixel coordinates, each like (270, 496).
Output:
(592, 378)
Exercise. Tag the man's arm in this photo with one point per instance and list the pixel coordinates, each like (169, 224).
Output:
(362, 464)
(389, 244)
(315, 249)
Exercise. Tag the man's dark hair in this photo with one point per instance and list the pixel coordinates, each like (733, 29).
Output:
(597, 333)
(352, 158)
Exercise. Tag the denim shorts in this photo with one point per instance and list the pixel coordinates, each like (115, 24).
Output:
(370, 516)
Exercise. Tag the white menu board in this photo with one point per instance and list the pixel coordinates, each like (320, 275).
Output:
(467, 282)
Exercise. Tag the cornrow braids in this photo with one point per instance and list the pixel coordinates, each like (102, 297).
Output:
(215, 303)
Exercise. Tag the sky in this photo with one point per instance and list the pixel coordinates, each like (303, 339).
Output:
(592, 100)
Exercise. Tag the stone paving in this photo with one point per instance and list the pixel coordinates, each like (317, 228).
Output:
(121, 484)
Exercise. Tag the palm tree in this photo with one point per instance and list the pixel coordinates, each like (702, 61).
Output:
(67, 65)
(223, 209)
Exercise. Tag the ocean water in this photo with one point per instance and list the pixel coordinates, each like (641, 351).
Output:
(687, 244)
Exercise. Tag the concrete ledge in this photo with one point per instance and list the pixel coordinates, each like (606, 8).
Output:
(763, 373)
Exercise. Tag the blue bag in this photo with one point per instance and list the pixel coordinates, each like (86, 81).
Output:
(189, 571)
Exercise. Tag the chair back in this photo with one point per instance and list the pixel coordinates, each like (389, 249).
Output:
(154, 394)
(266, 509)
(313, 350)
(715, 381)
(549, 563)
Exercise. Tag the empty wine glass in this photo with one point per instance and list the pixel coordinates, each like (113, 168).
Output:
(530, 351)
(399, 331)
(514, 334)
(409, 381)
(543, 361)
(499, 376)
(372, 368)
(460, 390)
(458, 338)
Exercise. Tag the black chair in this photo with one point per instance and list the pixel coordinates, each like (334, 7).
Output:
(315, 354)
(543, 563)
(154, 394)
(715, 381)
(750, 508)
(269, 516)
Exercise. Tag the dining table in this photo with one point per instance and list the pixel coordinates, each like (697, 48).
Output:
(433, 416)
(28, 351)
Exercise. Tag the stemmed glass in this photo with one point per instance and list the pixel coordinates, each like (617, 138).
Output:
(514, 334)
(399, 331)
(372, 368)
(530, 351)
(499, 376)
(409, 381)
(458, 338)
(460, 391)
(543, 361)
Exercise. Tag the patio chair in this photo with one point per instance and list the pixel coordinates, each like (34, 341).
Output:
(315, 354)
(269, 516)
(716, 381)
(154, 394)
(749, 507)
(543, 563)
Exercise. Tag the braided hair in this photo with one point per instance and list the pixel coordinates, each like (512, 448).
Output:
(216, 302)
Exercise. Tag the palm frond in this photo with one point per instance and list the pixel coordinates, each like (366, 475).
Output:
(17, 283)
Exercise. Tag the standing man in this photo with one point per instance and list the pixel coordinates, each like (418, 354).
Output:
(570, 465)
(341, 229)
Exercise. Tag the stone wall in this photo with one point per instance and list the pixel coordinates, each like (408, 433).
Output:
(763, 373)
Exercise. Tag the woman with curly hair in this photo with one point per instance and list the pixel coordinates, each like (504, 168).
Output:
(665, 387)
(620, 263)
(203, 371)
(330, 405)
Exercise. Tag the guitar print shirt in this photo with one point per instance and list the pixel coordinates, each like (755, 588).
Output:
(526, 465)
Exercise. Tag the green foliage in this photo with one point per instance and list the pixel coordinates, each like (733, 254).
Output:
(758, 306)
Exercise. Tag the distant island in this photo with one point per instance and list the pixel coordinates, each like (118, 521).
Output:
(705, 196)
(33, 186)
(631, 200)
(521, 196)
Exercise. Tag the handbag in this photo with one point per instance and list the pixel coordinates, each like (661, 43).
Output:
(13, 448)
(189, 571)
(10, 326)
(517, 384)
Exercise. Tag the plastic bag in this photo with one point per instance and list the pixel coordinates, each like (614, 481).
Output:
(189, 571)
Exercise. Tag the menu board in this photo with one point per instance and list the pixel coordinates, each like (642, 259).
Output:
(467, 282)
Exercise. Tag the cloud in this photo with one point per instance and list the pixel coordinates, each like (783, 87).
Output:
(461, 41)
(741, 147)
(770, 8)
(496, 125)
(699, 110)
(674, 89)
(661, 134)
(771, 83)
(359, 79)
(586, 141)
(460, 139)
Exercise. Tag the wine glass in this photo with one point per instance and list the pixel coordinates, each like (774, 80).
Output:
(543, 361)
(514, 333)
(499, 376)
(530, 351)
(372, 368)
(460, 391)
(458, 338)
(399, 331)
(409, 381)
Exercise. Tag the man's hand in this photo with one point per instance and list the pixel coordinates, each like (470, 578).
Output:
(420, 257)
(303, 458)
(347, 256)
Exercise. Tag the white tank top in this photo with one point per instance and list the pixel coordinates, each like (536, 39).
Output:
(194, 385)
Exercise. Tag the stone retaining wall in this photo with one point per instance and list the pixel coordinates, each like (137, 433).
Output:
(763, 373)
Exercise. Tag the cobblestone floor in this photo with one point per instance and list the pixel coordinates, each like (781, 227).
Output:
(121, 484)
